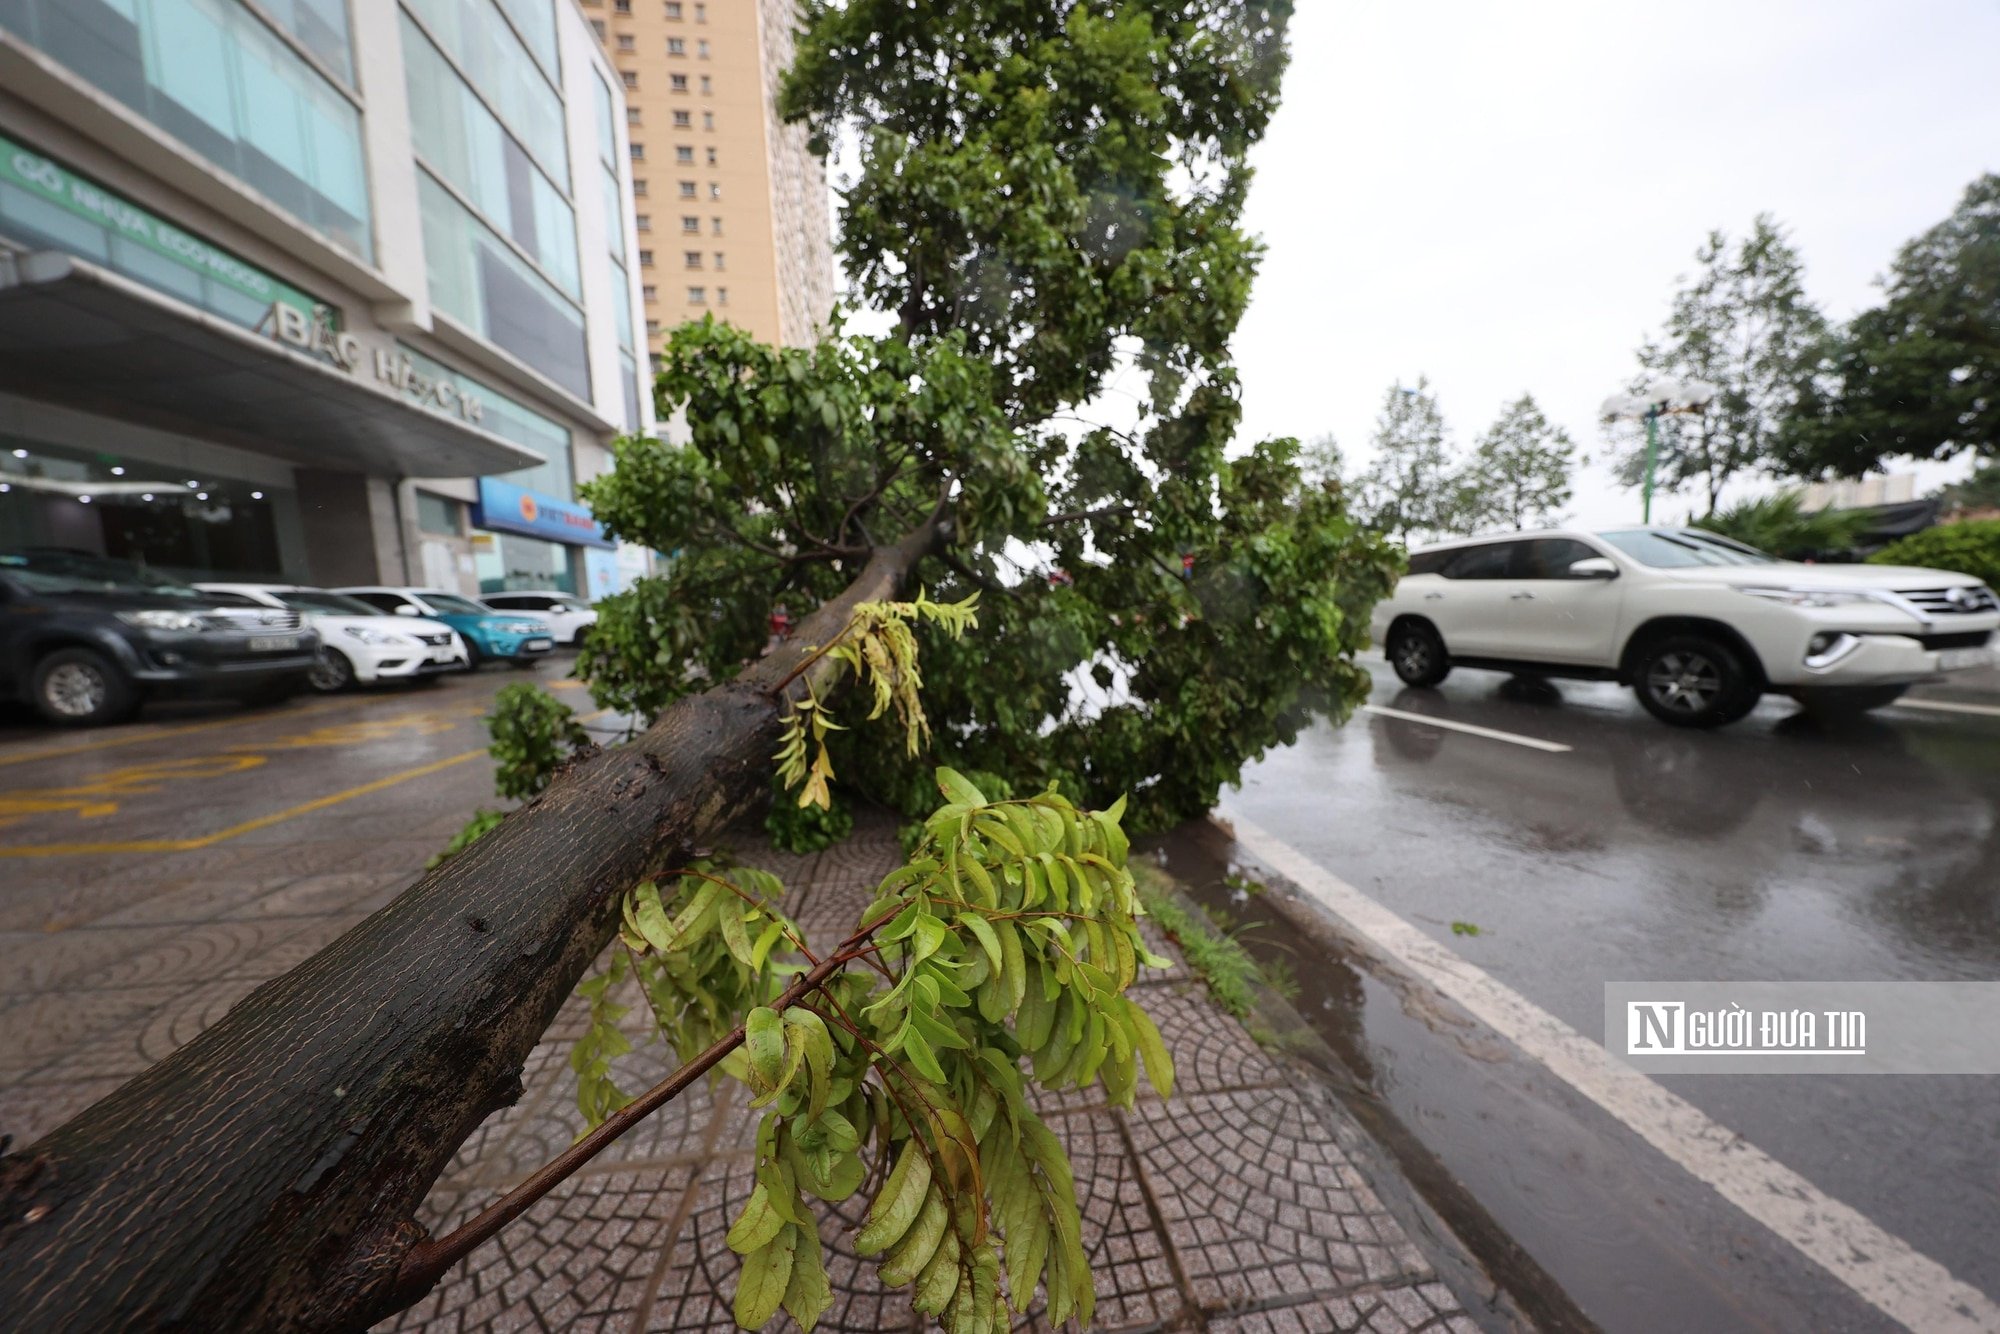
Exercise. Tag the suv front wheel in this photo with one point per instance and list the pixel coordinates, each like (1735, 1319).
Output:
(79, 687)
(1417, 654)
(1693, 681)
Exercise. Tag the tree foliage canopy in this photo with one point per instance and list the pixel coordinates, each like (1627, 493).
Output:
(1520, 469)
(1919, 375)
(1744, 324)
(1411, 484)
(1045, 194)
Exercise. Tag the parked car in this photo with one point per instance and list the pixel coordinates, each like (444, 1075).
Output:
(570, 617)
(358, 644)
(87, 640)
(489, 635)
(1698, 625)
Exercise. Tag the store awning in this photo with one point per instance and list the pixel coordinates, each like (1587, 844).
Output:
(74, 333)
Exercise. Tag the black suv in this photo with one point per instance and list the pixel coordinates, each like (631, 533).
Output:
(86, 640)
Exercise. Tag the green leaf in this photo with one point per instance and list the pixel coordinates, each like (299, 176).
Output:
(757, 1225)
(807, 1293)
(766, 1274)
(1159, 1062)
(764, 1040)
(989, 940)
(957, 790)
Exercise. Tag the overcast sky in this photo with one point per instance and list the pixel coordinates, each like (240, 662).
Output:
(1500, 196)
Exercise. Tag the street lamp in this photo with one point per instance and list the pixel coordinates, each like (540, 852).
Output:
(1657, 398)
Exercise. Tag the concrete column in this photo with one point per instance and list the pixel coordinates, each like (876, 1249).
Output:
(349, 523)
(392, 171)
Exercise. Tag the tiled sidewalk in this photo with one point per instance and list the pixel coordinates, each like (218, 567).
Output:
(1238, 1205)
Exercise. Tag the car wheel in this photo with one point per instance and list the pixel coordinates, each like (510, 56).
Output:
(79, 687)
(332, 673)
(1417, 654)
(1833, 703)
(1693, 681)
(474, 659)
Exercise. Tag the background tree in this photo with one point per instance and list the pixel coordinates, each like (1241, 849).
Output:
(1977, 494)
(1744, 324)
(1519, 474)
(1036, 187)
(1410, 486)
(1919, 375)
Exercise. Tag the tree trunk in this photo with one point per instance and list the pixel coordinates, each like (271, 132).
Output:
(267, 1175)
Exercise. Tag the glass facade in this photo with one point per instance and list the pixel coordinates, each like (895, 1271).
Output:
(488, 51)
(203, 526)
(43, 205)
(509, 562)
(477, 279)
(614, 240)
(214, 76)
(320, 26)
(513, 421)
(535, 21)
(459, 138)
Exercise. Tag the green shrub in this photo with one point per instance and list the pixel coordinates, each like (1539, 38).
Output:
(1781, 525)
(1965, 548)
(533, 734)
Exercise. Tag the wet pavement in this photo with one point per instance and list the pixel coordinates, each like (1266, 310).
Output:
(153, 873)
(1772, 850)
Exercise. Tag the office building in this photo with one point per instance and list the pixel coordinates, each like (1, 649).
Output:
(315, 290)
(731, 208)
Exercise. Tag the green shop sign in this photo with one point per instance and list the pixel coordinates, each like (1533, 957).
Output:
(23, 167)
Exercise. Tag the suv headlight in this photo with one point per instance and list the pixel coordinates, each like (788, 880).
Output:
(378, 637)
(161, 620)
(524, 628)
(1810, 597)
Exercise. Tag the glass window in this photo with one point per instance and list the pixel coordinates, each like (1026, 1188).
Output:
(684, 153)
(683, 120)
(1429, 562)
(438, 514)
(643, 222)
(321, 28)
(621, 304)
(697, 296)
(460, 139)
(535, 21)
(638, 187)
(43, 204)
(511, 420)
(493, 60)
(1490, 560)
(1551, 557)
(478, 280)
(614, 218)
(214, 77)
(451, 604)
(509, 560)
(384, 601)
(629, 370)
(692, 259)
(1667, 550)
(676, 47)
(319, 600)
(607, 132)
(676, 82)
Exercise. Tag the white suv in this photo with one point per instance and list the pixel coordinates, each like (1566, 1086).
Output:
(359, 645)
(1698, 625)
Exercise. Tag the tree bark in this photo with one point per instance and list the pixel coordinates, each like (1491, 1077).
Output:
(267, 1174)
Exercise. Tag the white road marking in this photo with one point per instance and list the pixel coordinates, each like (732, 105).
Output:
(1882, 1269)
(1536, 743)
(1949, 706)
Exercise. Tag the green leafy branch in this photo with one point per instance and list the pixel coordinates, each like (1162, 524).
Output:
(999, 953)
(879, 646)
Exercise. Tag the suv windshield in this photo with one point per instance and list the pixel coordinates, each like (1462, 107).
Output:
(319, 600)
(1665, 550)
(76, 572)
(453, 605)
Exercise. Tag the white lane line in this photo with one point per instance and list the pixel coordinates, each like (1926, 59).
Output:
(1949, 706)
(1882, 1269)
(1536, 743)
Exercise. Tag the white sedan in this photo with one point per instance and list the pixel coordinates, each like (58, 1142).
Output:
(360, 645)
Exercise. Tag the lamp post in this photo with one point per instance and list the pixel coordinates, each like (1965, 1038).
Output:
(1656, 399)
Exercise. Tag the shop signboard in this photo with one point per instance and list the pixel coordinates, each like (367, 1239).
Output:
(504, 507)
(62, 188)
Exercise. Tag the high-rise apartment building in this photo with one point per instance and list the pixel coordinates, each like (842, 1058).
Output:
(730, 206)
(328, 291)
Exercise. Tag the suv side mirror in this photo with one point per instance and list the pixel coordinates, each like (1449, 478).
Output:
(405, 609)
(1593, 567)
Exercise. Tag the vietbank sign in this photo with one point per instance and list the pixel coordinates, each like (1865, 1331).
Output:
(56, 185)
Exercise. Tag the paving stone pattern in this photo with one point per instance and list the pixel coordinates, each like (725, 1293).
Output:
(1237, 1205)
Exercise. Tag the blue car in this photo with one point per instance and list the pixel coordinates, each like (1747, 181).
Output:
(489, 635)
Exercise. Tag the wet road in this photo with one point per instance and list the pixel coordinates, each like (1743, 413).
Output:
(1773, 850)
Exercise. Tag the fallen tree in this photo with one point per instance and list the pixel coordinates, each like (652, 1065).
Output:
(267, 1174)
(1045, 194)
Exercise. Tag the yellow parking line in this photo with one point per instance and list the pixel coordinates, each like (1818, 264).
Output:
(248, 826)
(261, 822)
(133, 739)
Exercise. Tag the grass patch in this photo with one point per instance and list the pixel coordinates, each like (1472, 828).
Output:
(1231, 975)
